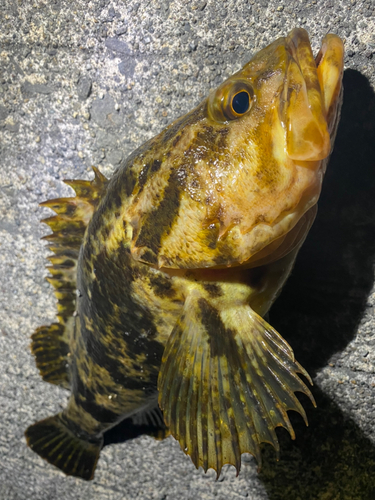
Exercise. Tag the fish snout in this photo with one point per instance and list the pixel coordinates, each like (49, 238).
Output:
(311, 92)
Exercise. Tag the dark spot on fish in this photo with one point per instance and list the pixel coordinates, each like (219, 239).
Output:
(220, 259)
(162, 286)
(214, 327)
(149, 387)
(156, 164)
(206, 134)
(255, 277)
(116, 200)
(158, 223)
(145, 174)
(177, 140)
(129, 180)
(222, 140)
(117, 214)
(225, 254)
(86, 399)
(69, 209)
(149, 256)
(213, 289)
(71, 257)
(105, 232)
(143, 178)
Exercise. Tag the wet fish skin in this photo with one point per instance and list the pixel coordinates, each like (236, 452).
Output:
(186, 248)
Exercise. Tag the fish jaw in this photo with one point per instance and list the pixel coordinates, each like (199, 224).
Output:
(330, 68)
(307, 136)
(312, 91)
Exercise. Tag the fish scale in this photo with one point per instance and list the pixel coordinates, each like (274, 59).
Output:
(176, 260)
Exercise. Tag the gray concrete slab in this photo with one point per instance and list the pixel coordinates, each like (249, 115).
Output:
(84, 83)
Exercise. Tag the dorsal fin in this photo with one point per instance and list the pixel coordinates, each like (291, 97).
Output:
(50, 343)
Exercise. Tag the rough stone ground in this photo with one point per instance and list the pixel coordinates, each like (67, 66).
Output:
(84, 83)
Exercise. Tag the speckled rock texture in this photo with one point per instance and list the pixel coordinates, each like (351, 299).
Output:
(84, 83)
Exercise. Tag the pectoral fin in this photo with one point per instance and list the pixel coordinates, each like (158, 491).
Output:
(226, 382)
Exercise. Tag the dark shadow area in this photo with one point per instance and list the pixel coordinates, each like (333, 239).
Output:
(320, 308)
(128, 430)
(330, 459)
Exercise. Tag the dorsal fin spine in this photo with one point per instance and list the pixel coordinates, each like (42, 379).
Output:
(50, 344)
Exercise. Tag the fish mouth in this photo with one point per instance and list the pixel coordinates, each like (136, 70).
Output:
(330, 67)
(311, 95)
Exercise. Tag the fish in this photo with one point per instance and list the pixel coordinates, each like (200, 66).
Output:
(164, 274)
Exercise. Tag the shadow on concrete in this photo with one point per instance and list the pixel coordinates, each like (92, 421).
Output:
(320, 308)
(330, 460)
(126, 430)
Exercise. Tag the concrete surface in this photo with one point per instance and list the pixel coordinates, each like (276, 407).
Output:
(84, 83)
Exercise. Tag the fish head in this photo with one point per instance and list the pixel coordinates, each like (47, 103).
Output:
(248, 162)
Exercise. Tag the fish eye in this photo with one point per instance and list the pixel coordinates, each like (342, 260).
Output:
(241, 102)
(232, 100)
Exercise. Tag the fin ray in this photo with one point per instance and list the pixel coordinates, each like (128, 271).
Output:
(226, 382)
(50, 348)
(50, 344)
(55, 442)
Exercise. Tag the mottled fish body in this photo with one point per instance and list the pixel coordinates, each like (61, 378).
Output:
(177, 259)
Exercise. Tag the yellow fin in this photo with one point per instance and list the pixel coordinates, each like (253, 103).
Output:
(50, 346)
(54, 441)
(227, 380)
(50, 343)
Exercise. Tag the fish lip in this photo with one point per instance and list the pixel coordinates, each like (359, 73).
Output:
(294, 39)
(300, 35)
(315, 83)
(330, 67)
(328, 42)
(307, 137)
